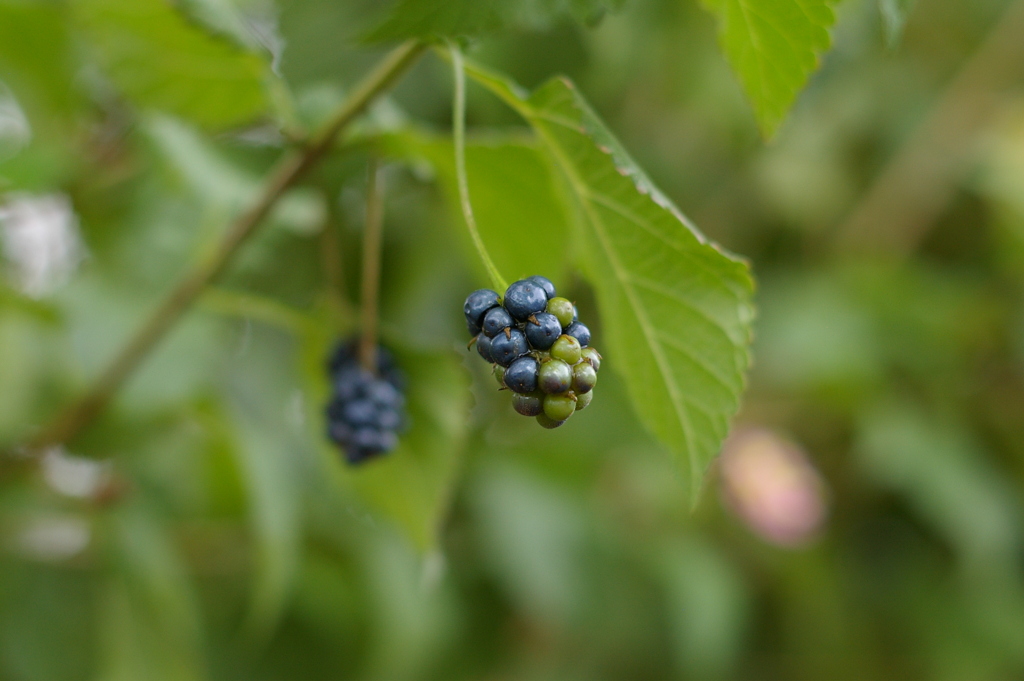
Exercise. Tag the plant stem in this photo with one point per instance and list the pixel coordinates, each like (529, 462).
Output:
(334, 274)
(459, 132)
(370, 289)
(293, 166)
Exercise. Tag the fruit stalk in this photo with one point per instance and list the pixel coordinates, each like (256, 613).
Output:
(288, 171)
(370, 290)
(459, 133)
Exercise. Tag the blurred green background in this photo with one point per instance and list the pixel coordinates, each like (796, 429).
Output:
(864, 521)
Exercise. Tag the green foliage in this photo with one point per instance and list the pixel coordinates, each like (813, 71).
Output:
(203, 528)
(773, 46)
(894, 17)
(413, 487)
(676, 309)
(40, 80)
(523, 236)
(159, 60)
(451, 18)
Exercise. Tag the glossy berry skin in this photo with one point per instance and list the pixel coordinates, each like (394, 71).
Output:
(555, 376)
(524, 298)
(507, 348)
(528, 405)
(472, 328)
(521, 375)
(584, 378)
(580, 332)
(567, 349)
(499, 374)
(542, 329)
(559, 407)
(477, 304)
(496, 320)
(563, 309)
(582, 401)
(544, 283)
(592, 357)
(483, 346)
(547, 422)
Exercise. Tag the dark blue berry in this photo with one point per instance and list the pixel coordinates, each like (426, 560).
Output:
(542, 329)
(483, 346)
(360, 412)
(472, 328)
(366, 438)
(477, 304)
(544, 283)
(387, 440)
(508, 346)
(496, 320)
(383, 394)
(521, 375)
(580, 332)
(389, 419)
(335, 409)
(338, 431)
(528, 405)
(524, 298)
(350, 382)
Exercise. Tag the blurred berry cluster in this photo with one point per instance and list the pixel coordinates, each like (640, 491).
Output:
(367, 409)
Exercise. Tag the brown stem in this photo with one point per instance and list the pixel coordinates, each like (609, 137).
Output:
(334, 271)
(372, 233)
(78, 415)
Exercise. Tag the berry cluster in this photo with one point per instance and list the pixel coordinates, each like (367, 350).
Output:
(539, 348)
(366, 410)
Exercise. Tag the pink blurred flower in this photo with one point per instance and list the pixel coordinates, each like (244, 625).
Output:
(769, 484)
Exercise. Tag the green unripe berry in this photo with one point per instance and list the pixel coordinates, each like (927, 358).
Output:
(563, 309)
(559, 407)
(591, 357)
(584, 378)
(555, 376)
(528, 405)
(499, 374)
(548, 423)
(583, 400)
(567, 349)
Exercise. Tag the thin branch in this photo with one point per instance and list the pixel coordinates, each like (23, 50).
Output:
(80, 414)
(334, 271)
(370, 290)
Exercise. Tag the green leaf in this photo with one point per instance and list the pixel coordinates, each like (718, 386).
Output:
(676, 309)
(218, 181)
(150, 621)
(226, 18)
(946, 476)
(42, 79)
(773, 46)
(411, 486)
(894, 17)
(502, 169)
(432, 18)
(160, 60)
